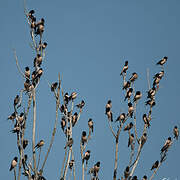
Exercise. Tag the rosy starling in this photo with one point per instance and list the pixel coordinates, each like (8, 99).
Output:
(137, 96)
(162, 61)
(86, 156)
(83, 138)
(126, 172)
(81, 104)
(167, 144)
(54, 86)
(130, 110)
(176, 132)
(128, 126)
(39, 144)
(69, 143)
(128, 94)
(27, 72)
(125, 68)
(133, 77)
(13, 163)
(90, 124)
(155, 165)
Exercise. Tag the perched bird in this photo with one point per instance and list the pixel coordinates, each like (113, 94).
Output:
(68, 133)
(86, 156)
(33, 24)
(54, 86)
(144, 177)
(38, 60)
(159, 75)
(128, 94)
(162, 61)
(81, 104)
(130, 110)
(69, 143)
(128, 126)
(42, 46)
(155, 165)
(134, 178)
(94, 170)
(133, 77)
(27, 72)
(150, 102)
(16, 129)
(131, 139)
(21, 118)
(13, 163)
(176, 132)
(27, 84)
(143, 139)
(156, 82)
(146, 120)
(108, 110)
(40, 27)
(125, 68)
(151, 93)
(39, 144)
(63, 109)
(126, 172)
(122, 117)
(63, 123)
(71, 163)
(16, 100)
(73, 96)
(25, 143)
(66, 98)
(74, 119)
(83, 138)
(12, 116)
(126, 85)
(167, 144)
(90, 124)
(137, 96)
(30, 13)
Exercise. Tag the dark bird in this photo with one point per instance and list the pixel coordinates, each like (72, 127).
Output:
(83, 138)
(86, 156)
(133, 77)
(69, 143)
(155, 165)
(108, 110)
(68, 132)
(54, 86)
(156, 82)
(162, 61)
(126, 85)
(146, 120)
(21, 118)
(30, 13)
(39, 144)
(16, 100)
(131, 139)
(122, 117)
(167, 144)
(94, 170)
(63, 123)
(128, 94)
(125, 68)
(126, 172)
(25, 143)
(13, 163)
(176, 132)
(41, 177)
(66, 98)
(137, 96)
(90, 124)
(40, 27)
(143, 139)
(63, 109)
(71, 163)
(74, 119)
(27, 72)
(159, 75)
(73, 96)
(144, 177)
(42, 46)
(150, 102)
(151, 93)
(134, 178)
(80, 105)
(38, 60)
(130, 110)
(33, 24)
(16, 129)
(12, 116)
(27, 85)
(128, 126)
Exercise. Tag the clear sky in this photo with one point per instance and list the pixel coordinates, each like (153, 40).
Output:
(88, 42)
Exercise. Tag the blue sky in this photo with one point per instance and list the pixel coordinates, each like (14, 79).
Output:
(88, 42)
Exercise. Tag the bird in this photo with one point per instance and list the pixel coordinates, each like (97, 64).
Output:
(176, 132)
(131, 139)
(27, 72)
(150, 102)
(94, 170)
(155, 165)
(73, 96)
(86, 156)
(81, 104)
(151, 93)
(133, 77)
(12, 116)
(128, 126)
(130, 109)
(167, 144)
(159, 75)
(27, 85)
(128, 94)
(63, 123)
(108, 110)
(162, 61)
(71, 163)
(121, 117)
(69, 143)
(13, 163)
(54, 86)
(38, 60)
(156, 82)
(39, 144)
(90, 124)
(125, 68)
(74, 119)
(137, 96)
(21, 118)
(126, 172)
(16, 100)
(40, 27)
(126, 85)
(83, 138)
(144, 177)
(66, 98)
(68, 132)
(16, 128)
(134, 178)
(30, 13)
(146, 120)
(143, 139)
(42, 46)
(25, 143)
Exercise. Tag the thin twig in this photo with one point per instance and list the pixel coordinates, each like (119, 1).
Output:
(110, 126)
